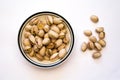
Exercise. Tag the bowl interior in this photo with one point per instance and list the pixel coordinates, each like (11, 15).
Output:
(34, 61)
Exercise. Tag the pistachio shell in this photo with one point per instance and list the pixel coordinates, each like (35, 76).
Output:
(55, 55)
(46, 35)
(50, 45)
(98, 46)
(27, 34)
(96, 55)
(54, 51)
(66, 40)
(46, 41)
(26, 42)
(55, 28)
(42, 51)
(93, 39)
(84, 46)
(62, 53)
(28, 27)
(99, 29)
(58, 42)
(46, 28)
(94, 18)
(38, 41)
(64, 31)
(101, 35)
(57, 20)
(34, 21)
(39, 57)
(46, 58)
(40, 25)
(31, 53)
(53, 34)
(88, 32)
(61, 35)
(34, 30)
(35, 48)
(60, 26)
(48, 52)
(41, 33)
(91, 45)
(102, 43)
(53, 40)
(50, 19)
(32, 39)
(27, 49)
(61, 47)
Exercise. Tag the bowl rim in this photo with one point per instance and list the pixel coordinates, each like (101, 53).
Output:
(19, 33)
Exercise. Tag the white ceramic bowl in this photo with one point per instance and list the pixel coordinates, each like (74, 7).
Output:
(36, 62)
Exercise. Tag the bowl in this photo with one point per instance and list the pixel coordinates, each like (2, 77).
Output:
(43, 57)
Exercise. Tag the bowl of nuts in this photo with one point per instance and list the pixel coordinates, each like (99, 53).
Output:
(45, 39)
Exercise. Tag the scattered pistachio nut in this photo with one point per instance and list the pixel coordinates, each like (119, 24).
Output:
(102, 42)
(90, 45)
(96, 55)
(93, 39)
(94, 18)
(93, 43)
(99, 29)
(84, 46)
(88, 32)
(101, 35)
(98, 46)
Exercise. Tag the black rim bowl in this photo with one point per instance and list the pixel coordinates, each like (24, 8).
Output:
(51, 64)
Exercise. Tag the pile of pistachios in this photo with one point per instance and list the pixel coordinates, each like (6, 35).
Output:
(46, 38)
(93, 43)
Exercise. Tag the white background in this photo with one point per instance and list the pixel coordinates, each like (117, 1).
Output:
(79, 66)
